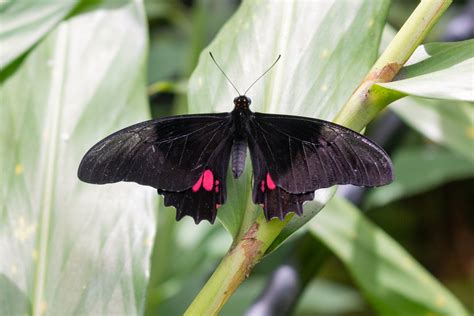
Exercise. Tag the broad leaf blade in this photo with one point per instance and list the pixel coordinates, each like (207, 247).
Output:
(24, 23)
(68, 247)
(445, 122)
(390, 278)
(419, 170)
(327, 47)
(439, 71)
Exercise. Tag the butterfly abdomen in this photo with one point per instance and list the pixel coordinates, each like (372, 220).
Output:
(239, 153)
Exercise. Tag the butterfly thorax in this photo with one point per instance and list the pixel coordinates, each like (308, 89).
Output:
(241, 116)
(240, 119)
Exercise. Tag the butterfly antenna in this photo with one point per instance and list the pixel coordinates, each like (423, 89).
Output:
(269, 68)
(215, 62)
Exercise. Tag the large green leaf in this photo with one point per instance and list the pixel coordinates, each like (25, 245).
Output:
(25, 22)
(391, 279)
(327, 47)
(421, 169)
(68, 247)
(445, 122)
(438, 70)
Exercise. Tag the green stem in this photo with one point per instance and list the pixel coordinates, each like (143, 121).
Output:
(235, 267)
(178, 87)
(364, 104)
(369, 99)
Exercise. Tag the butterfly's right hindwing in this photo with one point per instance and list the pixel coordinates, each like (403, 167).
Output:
(208, 193)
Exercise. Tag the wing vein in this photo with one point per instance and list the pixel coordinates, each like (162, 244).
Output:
(185, 135)
(358, 158)
(291, 162)
(209, 142)
(182, 151)
(306, 160)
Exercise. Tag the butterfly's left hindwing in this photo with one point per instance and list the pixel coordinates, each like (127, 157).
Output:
(180, 156)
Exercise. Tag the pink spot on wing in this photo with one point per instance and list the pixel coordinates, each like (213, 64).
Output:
(197, 185)
(208, 180)
(218, 205)
(270, 184)
(262, 186)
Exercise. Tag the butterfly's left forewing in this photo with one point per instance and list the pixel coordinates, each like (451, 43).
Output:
(184, 157)
(294, 156)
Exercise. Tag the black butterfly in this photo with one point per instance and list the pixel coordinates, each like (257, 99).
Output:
(186, 158)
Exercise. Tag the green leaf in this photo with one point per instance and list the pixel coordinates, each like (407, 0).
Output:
(447, 123)
(418, 170)
(166, 45)
(390, 278)
(327, 47)
(158, 9)
(324, 297)
(69, 247)
(439, 71)
(25, 22)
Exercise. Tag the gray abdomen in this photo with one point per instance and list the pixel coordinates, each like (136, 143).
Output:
(239, 153)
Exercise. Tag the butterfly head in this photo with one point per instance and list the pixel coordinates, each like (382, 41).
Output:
(242, 102)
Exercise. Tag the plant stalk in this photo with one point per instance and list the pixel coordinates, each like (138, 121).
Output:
(236, 266)
(367, 101)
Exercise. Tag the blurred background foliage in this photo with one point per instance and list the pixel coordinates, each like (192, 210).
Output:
(428, 210)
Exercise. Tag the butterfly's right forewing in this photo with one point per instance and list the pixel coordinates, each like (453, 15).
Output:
(169, 153)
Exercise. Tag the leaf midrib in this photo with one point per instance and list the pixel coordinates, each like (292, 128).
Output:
(47, 166)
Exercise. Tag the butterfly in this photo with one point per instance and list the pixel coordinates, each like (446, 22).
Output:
(186, 158)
